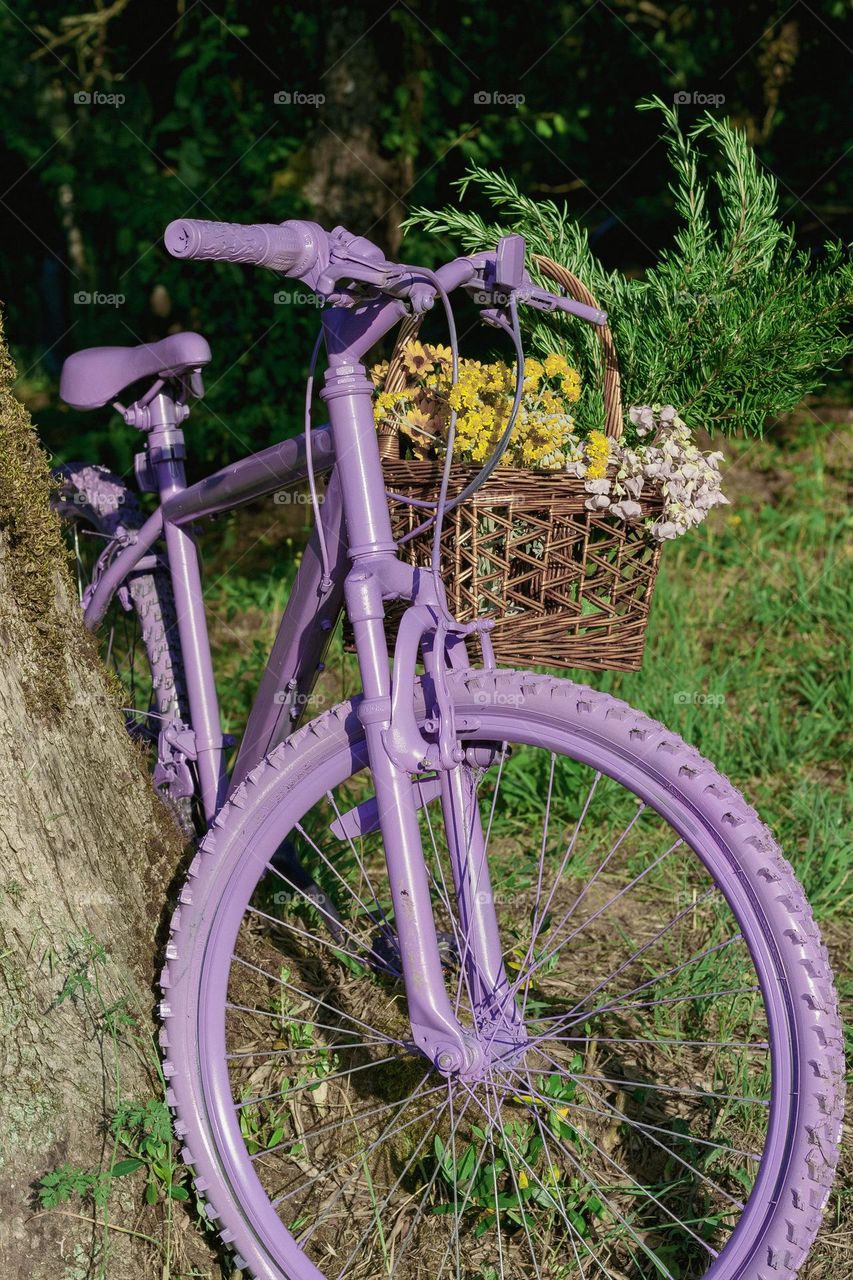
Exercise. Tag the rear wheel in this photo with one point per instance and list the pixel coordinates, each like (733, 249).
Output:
(139, 636)
(676, 1110)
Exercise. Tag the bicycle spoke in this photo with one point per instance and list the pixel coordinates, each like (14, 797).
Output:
(672, 1133)
(309, 1022)
(304, 1048)
(331, 799)
(442, 1107)
(666, 1088)
(691, 1169)
(569, 851)
(423, 1200)
(656, 1040)
(585, 1014)
(547, 955)
(387, 1134)
(599, 1190)
(689, 998)
(312, 937)
(444, 895)
(327, 861)
(334, 1125)
(640, 951)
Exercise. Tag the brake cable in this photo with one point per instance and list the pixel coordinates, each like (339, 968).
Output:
(326, 579)
(442, 506)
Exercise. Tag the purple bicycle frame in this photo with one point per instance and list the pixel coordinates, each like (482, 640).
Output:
(365, 572)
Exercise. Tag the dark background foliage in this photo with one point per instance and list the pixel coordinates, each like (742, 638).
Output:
(211, 111)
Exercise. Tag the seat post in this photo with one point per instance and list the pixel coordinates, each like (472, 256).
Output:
(166, 452)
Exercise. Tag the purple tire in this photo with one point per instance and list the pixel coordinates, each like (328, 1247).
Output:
(666, 780)
(100, 512)
(93, 498)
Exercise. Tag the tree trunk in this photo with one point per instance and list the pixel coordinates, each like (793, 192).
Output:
(86, 860)
(341, 169)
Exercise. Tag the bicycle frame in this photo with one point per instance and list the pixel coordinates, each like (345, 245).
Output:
(305, 628)
(357, 524)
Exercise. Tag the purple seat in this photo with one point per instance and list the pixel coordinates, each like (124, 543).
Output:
(94, 377)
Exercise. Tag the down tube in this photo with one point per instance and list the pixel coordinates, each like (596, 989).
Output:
(296, 658)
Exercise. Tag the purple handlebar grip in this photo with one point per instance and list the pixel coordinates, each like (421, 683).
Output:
(580, 309)
(280, 247)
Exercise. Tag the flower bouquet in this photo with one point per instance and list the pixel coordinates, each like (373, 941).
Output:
(547, 437)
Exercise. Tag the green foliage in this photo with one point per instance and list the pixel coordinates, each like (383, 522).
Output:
(732, 324)
(144, 1131)
(138, 1138)
(67, 1182)
(265, 1122)
(84, 954)
(505, 1177)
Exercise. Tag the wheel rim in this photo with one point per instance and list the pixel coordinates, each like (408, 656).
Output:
(592, 1094)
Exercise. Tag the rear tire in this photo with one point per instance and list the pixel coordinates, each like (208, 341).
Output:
(100, 513)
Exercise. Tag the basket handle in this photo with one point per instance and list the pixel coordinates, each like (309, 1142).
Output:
(395, 379)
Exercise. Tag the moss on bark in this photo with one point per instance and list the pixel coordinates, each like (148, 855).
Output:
(36, 554)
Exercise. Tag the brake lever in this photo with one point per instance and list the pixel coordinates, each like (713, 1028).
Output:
(483, 291)
(355, 259)
(542, 300)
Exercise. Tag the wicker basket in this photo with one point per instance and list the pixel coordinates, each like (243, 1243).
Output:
(567, 587)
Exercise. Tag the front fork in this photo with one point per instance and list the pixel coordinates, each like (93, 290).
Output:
(398, 752)
(397, 749)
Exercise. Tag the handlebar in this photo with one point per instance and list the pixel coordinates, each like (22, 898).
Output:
(322, 259)
(290, 247)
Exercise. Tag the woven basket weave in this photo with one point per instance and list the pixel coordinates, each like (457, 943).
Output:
(567, 587)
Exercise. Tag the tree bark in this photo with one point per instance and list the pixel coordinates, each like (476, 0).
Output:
(86, 859)
(342, 170)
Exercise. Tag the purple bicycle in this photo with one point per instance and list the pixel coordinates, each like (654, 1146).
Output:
(482, 974)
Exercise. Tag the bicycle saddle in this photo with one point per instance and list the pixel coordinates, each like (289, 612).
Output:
(94, 377)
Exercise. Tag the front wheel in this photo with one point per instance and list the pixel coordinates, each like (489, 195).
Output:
(676, 1110)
